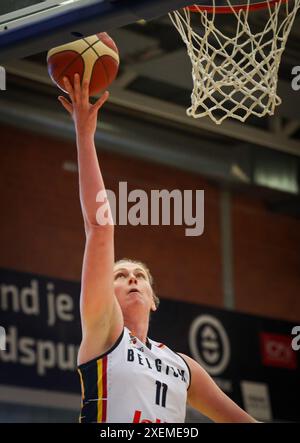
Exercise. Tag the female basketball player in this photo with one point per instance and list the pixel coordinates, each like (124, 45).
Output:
(126, 377)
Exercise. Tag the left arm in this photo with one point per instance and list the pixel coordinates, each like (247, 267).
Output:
(205, 396)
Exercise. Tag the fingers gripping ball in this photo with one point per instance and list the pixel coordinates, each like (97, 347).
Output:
(95, 58)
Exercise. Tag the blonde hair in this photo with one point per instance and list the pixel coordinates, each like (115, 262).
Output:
(146, 269)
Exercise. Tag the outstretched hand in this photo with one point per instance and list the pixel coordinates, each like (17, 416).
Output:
(82, 111)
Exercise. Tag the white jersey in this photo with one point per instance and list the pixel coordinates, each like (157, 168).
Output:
(134, 383)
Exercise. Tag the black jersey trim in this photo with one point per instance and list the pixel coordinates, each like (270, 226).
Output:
(88, 363)
(190, 381)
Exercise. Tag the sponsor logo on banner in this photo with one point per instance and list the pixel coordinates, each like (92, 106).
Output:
(256, 400)
(277, 351)
(209, 344)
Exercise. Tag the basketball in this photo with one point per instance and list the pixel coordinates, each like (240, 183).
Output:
(94, 58)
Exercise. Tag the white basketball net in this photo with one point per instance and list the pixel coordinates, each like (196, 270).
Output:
(235, 76)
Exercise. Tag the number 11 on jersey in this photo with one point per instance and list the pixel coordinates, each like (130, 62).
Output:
(161, 393)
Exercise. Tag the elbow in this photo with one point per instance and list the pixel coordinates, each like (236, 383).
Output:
(98, 224)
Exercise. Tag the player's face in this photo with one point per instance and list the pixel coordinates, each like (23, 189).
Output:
(132, 286)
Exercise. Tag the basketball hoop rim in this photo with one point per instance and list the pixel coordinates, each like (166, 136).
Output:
(231, 9)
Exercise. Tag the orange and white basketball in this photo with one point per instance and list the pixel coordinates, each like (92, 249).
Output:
(94, 58)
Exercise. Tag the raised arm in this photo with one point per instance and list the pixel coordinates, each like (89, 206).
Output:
(205, 396)
(98, 306)
(85, 115)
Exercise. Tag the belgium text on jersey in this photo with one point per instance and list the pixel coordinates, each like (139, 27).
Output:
(188, 208)
(158, 365)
